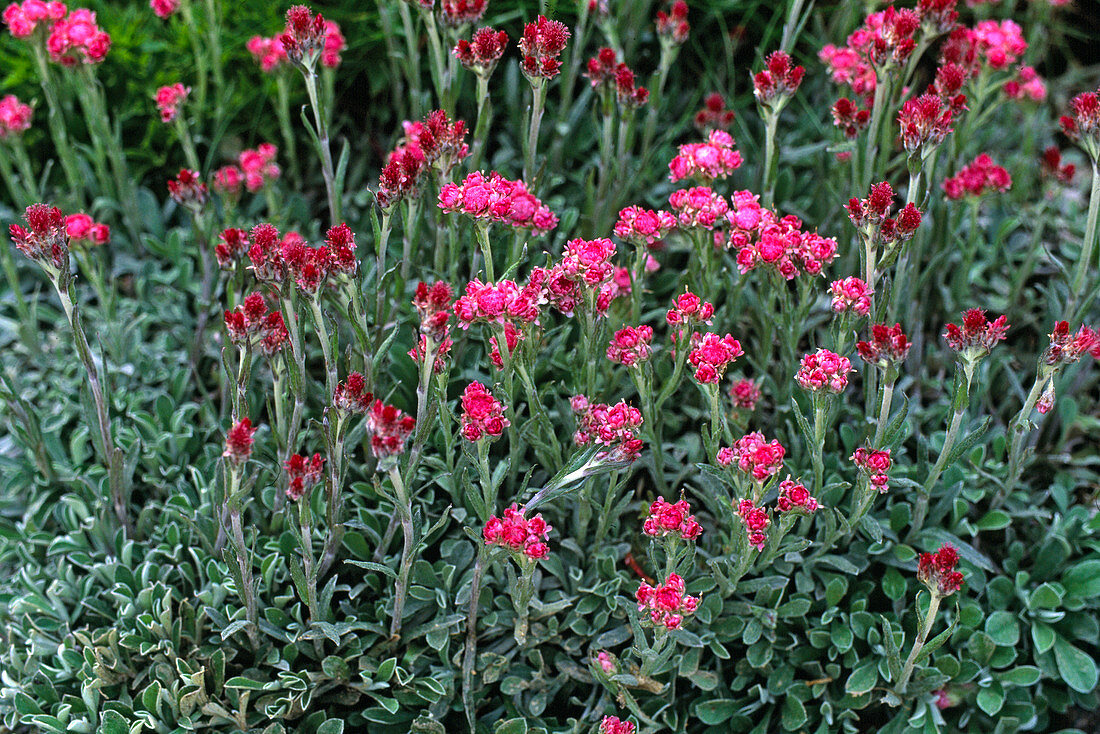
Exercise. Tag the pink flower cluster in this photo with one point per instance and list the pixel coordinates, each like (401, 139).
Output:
(667, 518)
(268, 52)
(1082, 125)
(188, 189)
(497, 199)
(389, 429)
(15, 117)
(711, 355)
(433, 304)
(302, 474)
(585, 267)
(615, 725)
(764, 240)
(754, 456)
(238, 442)
(978, 334)
(672, 27)
(977, 178)
(307, 35)
(937, 571)
(46, 241)
(1067, 348)
(714, 115)
(482, 52)
(482, 414)
(76, 39)
(607, 73)
(275, 260)
(875, 464)
(541, 45)
(615, 427)
(259, 167)
(924, 121)
(823, 371)
(886, 38)
(756, 521)
(794, 496)
(699, 206)
(666, 605)
(849, 118)
(499, 303)
(1027, 84)
(779, 79)
(232, 247)
(745, 394)
(23, 18)
(169, 99)
(521, 535)
(164, 9)
(714, 159)
(1052, 165)
(1000, 43)
(888, 346)
(351, 395)
(643, 226)
(458, 12)
(435, 142)
(870, 216)
(82, 227)
(687, 312)
(851, 294)
(631, 345)
(250, 325)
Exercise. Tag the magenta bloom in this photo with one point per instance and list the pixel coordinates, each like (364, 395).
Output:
(482, 414)
(526, 537)
(823, 371)
(666, 518)
(666, 605)
(714, 159)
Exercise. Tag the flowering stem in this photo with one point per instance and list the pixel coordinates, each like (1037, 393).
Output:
(884, 407)
(56, 121)
(961, 402)
(818, 446)
(606, 138)
(538, 101)
(521, 600)
(484, 115)
(922, 636)
(412, 56)
(481, 230)
(305, 525)
(333, 493)
(326, 345)
(404, 511)
(1084, 262)
(247, 590)
(188, 144)
(382, 239)
(485, 476)
(26, 171)
(320, 120)
(408, 234)
(469, 658)
(870, 154)
(540, 412)
(656, 99)
(1018, 431)
(614, 484)
(201, 71)
(244, 369)
(102, 134)
(438, 68)
(771, 122)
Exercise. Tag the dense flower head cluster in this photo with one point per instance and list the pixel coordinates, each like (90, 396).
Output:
(169, 99)
(433, 305)
(482, 52)
(22, 19)
(15, 117)
(714, 115)
(977, 178)
(938, 16)
(823, 371)
(849, 118)
(754, 456)
(188, 189)
(888, 346)
(937, 571)
(745, 394)
(606, 74)
(275, 260)
(251, 325)
(756, 521)
(977, 336)
(671, 518)
(1082, 125)
(1053, 166)
(82, 228)
(419, 353)
(482, 414)
(512, 338)
(77, 38)
(875, 463)
(1001, 43)
(851, 294)
(1067, 347)
(459, 12)
(870, 215)
(924, 121)
(688, 311)
(1027, 85)
(302, 473)
(666, 605)
(501, 302)
(541, 44)
(525, 536)
(437, 141)
(258, 166)
(847, 66)
(780, 78)
(714, 159)
(764, 240)
(232, 247)
(699, 206)
(389, 429)
(340, 242)
(793, 496)
(351, 395)
(711, 355)
(44, 239)
(615, 725)
(948, 85)
(303, 39)
(585, 262)
(164, 9)
(673, 27)
(631, 345)
(269, 53)
(885, 39)
(497, 199)
(615, 427)
(228, 182)
(643, 226)
(238, 442)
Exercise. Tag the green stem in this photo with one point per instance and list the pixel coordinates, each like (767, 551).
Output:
(538, 102)
(1084, 262)
(1018, 432)
(484, 116)
(404, 510)
(922, 636)
(320, 121)
(326, 345)
(481, 231)
(771, 122)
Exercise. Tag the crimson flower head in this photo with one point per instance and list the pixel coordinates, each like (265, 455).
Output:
(937, 571)
(615, 725)
(870, 217)
(302, 473)
(22, 19)
(938, 16)
(229, 182)
(924, 121)
(164, 9)
(482, 52)
(433, 305)
(699, 206)
(977, 336)
(779, 79)
(1052, 165)
(390, 428)
(482, 414)
(76, 38)
(823, 371)
(1082, 125)
(714, 159)
(259, 167)
(711, 355)
(269, 53)
(83, 230)
(875, 464)
(756, 521)
(45, 239)
(852, 295)
(849, 118)
(187, 189)
(251, 326)
(459, 12)
(15, 117)
(614, 427)
(304, 36)
(673, 27)
(631, 345)
(497, 199)
(977, 178)
(238, 442)
(1066, 347)
(745, 394)
(794, 497)
(665, 605)
(643, 226)
(667, 518)
(754, 456)
(351, 395)
(169, 99)
(714, 115)
(525, 537)
(541, 44)
(887, 347)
